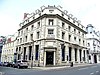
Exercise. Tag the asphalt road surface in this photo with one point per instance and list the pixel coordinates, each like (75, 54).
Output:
(83, 70)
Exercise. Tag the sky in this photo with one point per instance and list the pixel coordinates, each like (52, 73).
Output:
(12, 12)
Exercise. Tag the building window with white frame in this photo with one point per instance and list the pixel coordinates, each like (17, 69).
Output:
(31, 37)
(74, 38)
(22, 32)
(51, 22)
(38, 34)
(32, 27)
(83, 42)
(79, 41)
(79, 32)
(69, 28)
(50, 31)
(75, 31)
(63, 25)
(88, 44)
(38, 24)
(20, 40)
(25, 38)
(63, 35)
(69, 38)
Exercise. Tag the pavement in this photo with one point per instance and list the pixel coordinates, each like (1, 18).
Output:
(61, 67)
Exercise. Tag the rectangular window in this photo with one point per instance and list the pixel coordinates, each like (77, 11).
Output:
(75, 31)
(83, 42)
(38, 24)
(63, 35)
(69, 37)
(79, 41)
(74, 38)
(38, 34)
(25, 38)
(22, 32)
(51, 22)
(79, 32)
(69, 28)
(50, 31)
(31, 37)
(32, 27)
(83, 35)
(19, 33)
(63, 25)
(17, 40)
(36, 52)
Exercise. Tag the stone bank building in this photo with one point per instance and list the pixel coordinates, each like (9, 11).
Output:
(51, 36)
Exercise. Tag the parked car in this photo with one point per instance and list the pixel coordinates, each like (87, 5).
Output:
(21, 64)
(10, 64)
(5, 64)
(1, 63)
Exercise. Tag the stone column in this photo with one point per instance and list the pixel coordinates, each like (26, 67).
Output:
(27, 53)
(78, 55)
(54, 59)
(82, 55)
(67, 54)
(44, 58)
(73, 55)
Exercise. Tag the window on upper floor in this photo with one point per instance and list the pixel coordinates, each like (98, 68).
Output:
(83, 35)
(25, 38)
(79, 41)
(51, 21)
(38, 35)
(83, 42)
(20, 40)
(63, 35)
(63, 25)
(38, 24)
(26, 29)
(50, 31)
(32, 27)
(75, 31)
(69, 28)
(22, 32)
(19, 33)
(17, 40)
(79, 32)
(74, 38)
(31, 37)
(69, 38)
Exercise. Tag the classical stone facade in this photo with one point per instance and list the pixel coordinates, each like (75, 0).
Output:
(51, 36)
(93, 44)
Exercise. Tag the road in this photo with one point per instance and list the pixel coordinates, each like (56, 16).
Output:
(83, 70)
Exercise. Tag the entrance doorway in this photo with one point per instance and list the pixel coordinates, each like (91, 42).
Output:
(95, 59)
(49, 58)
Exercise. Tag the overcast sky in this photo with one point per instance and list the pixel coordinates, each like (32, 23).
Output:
(12, 11)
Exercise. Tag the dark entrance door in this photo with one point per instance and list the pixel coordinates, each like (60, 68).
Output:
(49, 58)
(95, 59)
